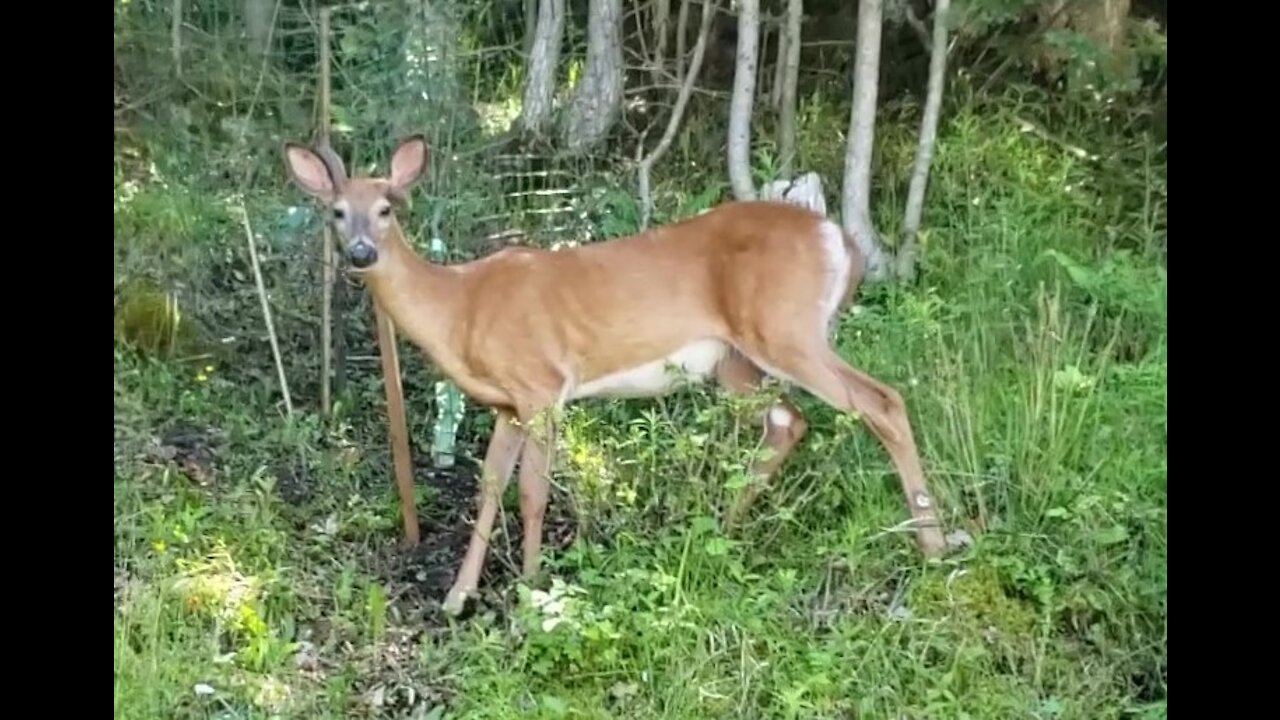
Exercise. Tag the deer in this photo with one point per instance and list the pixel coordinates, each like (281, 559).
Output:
(740, 293)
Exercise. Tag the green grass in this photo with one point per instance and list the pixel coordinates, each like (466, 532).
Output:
(1033, 359)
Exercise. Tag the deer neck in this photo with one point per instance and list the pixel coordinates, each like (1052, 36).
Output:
(417, 295)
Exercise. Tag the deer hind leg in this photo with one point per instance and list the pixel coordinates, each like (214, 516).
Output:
(535, 469)
(783, 424)
(816, 368)
(499, 461)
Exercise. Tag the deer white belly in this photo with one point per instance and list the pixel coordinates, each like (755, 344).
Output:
(694, 362)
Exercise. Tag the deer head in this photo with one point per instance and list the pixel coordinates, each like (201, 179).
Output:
(362, 209)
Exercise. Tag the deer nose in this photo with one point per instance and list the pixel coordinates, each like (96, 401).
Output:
(362, 255)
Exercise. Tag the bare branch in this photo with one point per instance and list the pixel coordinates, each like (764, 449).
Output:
(642, 89)
(677, 113)
(917, 25)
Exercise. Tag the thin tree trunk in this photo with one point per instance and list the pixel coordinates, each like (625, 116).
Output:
(744, 81)
(862, 129)
(257, 24)
(677, 114)
(906, 259)
(779, 69)
(544, 59)
(682, 29)
(175, 37)
(661, 26)
(762, 51)
(790, 78)
(598, 97)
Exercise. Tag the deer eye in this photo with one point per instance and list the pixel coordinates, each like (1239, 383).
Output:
(384, 211)
(339, 213)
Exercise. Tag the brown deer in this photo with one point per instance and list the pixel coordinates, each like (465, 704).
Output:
(744, 290)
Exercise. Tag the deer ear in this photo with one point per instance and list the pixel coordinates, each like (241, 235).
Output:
(309, 171)
(408, 161)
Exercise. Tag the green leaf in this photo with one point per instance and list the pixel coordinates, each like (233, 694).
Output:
(703, 523)
(1082, 276)
(555, 705)
(1113, 535)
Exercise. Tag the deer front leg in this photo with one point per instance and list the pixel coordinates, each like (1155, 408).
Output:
(535, 469)
(499, 461)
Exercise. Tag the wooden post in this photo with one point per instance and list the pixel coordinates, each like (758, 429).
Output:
(396, 420)
(397, 426)
(327, 265)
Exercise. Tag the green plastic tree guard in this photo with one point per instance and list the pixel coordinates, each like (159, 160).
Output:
(450, 405)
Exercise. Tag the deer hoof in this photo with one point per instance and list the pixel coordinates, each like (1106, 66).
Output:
(932, 543)
(455, 602)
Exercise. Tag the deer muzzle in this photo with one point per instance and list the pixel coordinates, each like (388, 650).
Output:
(362, 255)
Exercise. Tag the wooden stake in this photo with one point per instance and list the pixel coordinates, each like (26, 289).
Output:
(334, 355)
(266, 311)
(396, 419)
(327, 266)
(339, 305)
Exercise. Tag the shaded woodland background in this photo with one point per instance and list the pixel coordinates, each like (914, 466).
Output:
(256, 572)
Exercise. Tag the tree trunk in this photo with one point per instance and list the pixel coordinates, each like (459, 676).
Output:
(1102, 20)
(175, 37)
(779, 69)
(661, 25)
(434, 46)
(856, 207)
(544, 59)
(682, 29)
(906, 259)
(257, 24)
(598, 97)
(530, 27)
(790, 78)
(744, 81)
